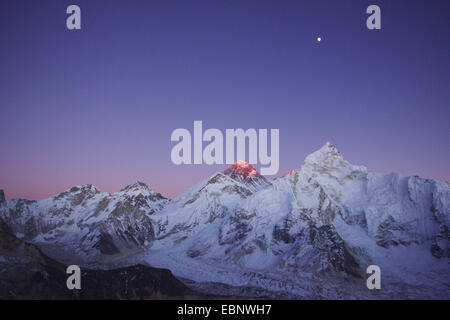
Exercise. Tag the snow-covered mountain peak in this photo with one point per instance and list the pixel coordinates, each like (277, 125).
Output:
(137, 187)
(139, 190)
(328, 161)
(86, 189)
(328, 155)
(242, 169)
(245, 173)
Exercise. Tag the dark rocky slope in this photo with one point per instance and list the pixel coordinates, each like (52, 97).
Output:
(27, 273)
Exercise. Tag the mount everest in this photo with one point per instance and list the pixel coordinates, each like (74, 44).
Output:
(310, 234)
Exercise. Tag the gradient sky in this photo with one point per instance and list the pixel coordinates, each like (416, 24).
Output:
(98, 105)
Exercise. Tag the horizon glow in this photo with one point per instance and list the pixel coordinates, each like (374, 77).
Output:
(97, 105)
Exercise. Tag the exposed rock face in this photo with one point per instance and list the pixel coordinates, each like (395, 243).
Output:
(392, 233)
(26, 273)
(439, 246)
(2, 196)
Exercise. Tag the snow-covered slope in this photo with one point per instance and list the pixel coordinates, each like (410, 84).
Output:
(83, 223)
(309, 234)
(323, 223)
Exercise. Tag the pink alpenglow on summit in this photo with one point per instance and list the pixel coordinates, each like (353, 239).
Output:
(244, 172)
(242, 169)
(290, 173)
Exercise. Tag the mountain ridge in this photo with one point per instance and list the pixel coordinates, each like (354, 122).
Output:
(326, 221)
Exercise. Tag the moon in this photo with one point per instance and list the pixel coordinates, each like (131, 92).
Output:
(319, 39)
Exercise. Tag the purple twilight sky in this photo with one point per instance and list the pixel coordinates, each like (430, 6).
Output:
(98, 105)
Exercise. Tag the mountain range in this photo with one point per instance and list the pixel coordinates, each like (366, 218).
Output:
(310, 234)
